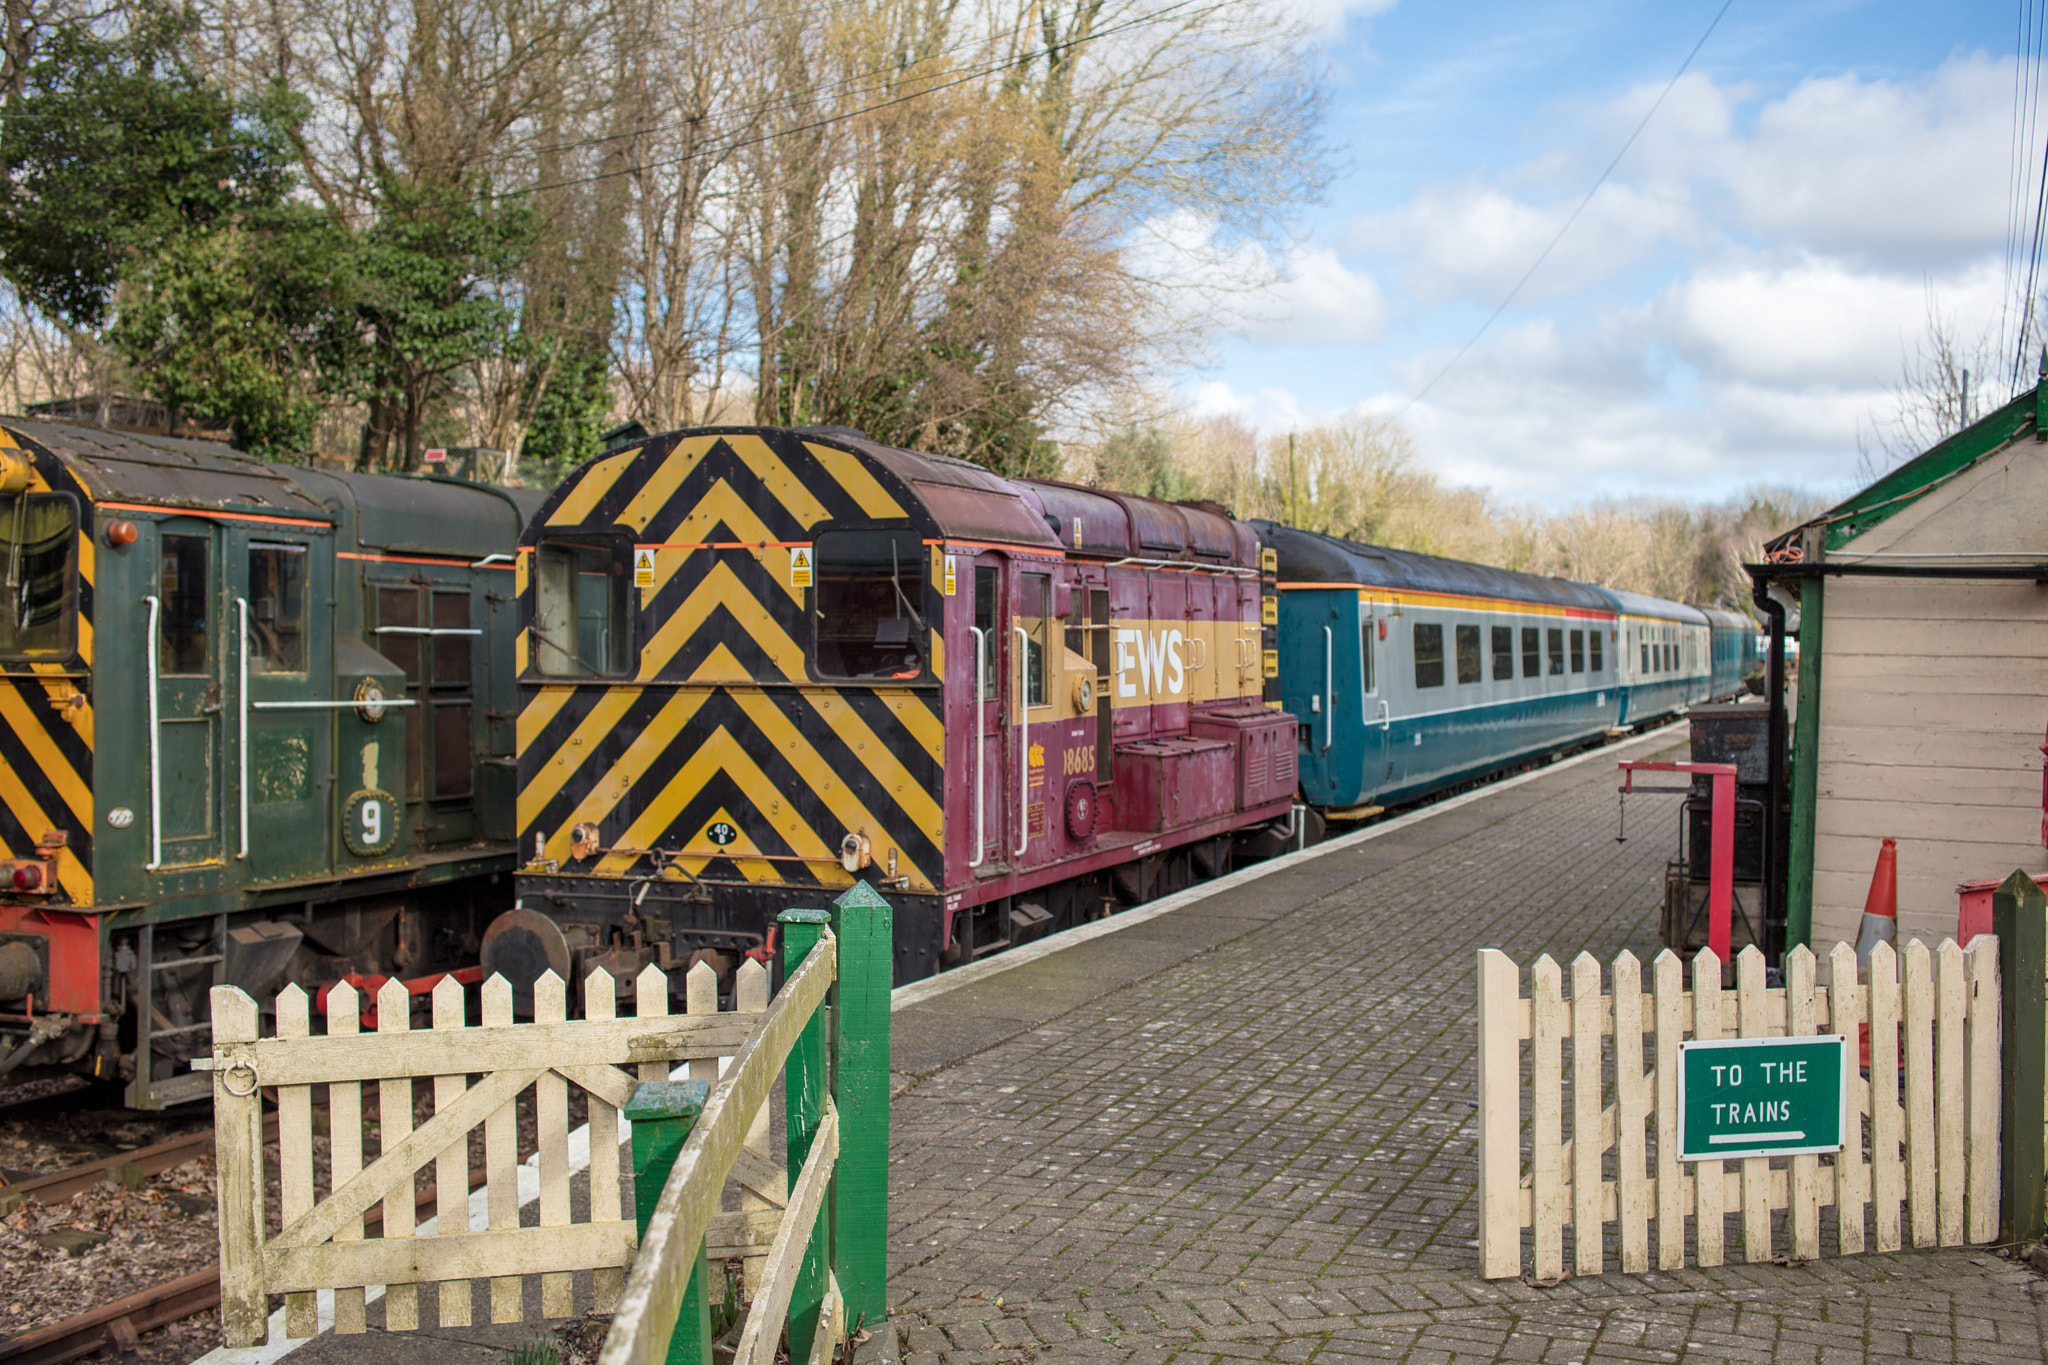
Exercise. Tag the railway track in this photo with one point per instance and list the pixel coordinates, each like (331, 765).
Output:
(121, 1323)
(123, 1168)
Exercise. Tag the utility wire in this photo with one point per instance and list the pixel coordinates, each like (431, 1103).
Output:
(1544, 255)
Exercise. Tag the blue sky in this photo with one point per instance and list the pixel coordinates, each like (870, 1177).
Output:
(1731, 307)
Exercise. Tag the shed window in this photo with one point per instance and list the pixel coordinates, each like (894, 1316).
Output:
(1532, 652)
(39, 544)
(869, 601)
(1556, 643)
(1469, 670)
(1503, 653)
(1578, 651)
(580, 621)
(1429, 655)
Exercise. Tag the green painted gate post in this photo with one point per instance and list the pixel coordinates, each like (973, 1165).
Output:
(865, 926)
(662, 1114)
(2019, 916)
(804, 1083)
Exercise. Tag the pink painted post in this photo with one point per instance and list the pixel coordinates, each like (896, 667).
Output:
(1720, 853)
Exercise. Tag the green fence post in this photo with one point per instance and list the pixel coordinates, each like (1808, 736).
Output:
(804, 1085)
(2019, 916)
(662, 1114)
(864, 924)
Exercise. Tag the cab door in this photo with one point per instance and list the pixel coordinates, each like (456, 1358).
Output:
(283, 823)
(1035, 634)
(991, 830)
(186, 695)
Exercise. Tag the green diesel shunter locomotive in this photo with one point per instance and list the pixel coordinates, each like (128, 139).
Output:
(256, 726)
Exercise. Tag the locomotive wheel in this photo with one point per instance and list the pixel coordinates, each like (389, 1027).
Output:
(519, 946)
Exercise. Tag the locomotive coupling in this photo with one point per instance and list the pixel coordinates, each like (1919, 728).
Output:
(855, 853)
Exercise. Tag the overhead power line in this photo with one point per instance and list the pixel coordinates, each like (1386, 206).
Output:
(1544, 255)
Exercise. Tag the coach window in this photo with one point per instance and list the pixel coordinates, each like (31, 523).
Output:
(1429, 656)
(1532, 652)
(580, 621)
(39, 541)
(1593, 640)
(1469, 670)
(1556, 642)
(277, 608)
(1578, 651)
(1503, 653)
(1034, 613)
(1646, 656)
(1365, 633)
(870, 603)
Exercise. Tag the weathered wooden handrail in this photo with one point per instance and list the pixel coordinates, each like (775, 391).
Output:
(824, 1273)
(653, 1296)
(770, 1309)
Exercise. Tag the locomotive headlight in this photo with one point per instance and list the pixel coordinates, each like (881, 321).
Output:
(855, 852)
(1084, 693)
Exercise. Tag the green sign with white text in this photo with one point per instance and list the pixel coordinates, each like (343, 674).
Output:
(1743, 1097)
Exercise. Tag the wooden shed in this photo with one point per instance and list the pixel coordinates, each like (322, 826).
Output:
(1923, 679)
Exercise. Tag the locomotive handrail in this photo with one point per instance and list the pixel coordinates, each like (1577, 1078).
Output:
(980, 747)
(242, 743)
(156, 842)
(1023, 742)
(1329, 687)
(426, 630)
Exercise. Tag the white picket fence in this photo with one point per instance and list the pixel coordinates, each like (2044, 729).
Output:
(1925, 1170)
(362, 1233)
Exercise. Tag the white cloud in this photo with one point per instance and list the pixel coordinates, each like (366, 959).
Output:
(1816, 320)
(1306, 296)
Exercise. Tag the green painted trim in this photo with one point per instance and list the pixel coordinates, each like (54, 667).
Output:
(1904, 486)
(1805, 770)
(804, 1081)
(2019, 916)
(662, 1114)
(864, 925)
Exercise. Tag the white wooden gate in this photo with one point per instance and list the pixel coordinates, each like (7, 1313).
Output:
(1926, 1170)
(362, 1233)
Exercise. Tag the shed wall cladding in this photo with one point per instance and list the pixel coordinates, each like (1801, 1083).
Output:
(1933, 701)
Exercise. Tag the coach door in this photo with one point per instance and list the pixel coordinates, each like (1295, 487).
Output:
(186, 695)
(991, 829)
(1375, 706)
(282, 824)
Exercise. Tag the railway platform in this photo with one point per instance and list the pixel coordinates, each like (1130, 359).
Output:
(1237, 1125)
(1242, 1130)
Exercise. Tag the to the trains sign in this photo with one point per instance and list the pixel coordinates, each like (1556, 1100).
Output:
(1743, 1097)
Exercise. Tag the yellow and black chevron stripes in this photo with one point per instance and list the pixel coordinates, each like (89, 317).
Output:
(720, 513)
(791, 770)
(46, 712)
(46, 777)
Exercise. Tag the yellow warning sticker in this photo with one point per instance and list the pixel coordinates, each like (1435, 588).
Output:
(643, 568)
(952, 576)
(800, 566)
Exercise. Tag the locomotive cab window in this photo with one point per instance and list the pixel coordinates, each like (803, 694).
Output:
(869, 603)
(277, 608)
(184, 589)
(39, 546)
(581, 625)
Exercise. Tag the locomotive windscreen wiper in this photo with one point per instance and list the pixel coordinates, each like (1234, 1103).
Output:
(896, 581)
(569, 654)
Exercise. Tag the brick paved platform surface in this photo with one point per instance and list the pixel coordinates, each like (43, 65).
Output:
(1243, 1131)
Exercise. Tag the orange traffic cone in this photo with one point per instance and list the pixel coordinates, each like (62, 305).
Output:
(1880, 919)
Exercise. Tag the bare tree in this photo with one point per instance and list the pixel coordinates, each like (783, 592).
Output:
(1945, 383)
